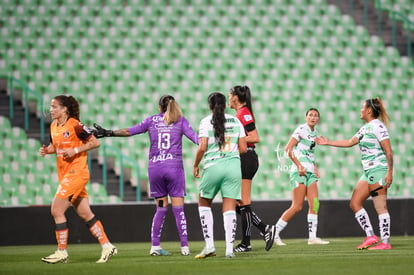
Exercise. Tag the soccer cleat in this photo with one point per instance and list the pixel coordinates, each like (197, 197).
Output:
(241, 247)
(107, 253)
(60, 256)
(317, 241)
(185, 251)
(278, 241)
(206, 253)
(269, 237)
(381, 246)
(368, 241)
(159, 252)
(230, 256)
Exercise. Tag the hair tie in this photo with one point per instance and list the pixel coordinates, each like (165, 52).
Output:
(372, 105)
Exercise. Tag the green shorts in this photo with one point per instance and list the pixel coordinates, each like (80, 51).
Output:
(374, 175)
(224, 176)
(296, 179)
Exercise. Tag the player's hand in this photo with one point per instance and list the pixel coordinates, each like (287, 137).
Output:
(302, 170)
(196, 172)
(388, 179)
(321, 140)
(43, 150)
(100, 132)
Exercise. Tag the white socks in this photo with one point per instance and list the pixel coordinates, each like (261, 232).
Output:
(385, 226)
(206, 219)
(280, 225)
(230, 225)
(362, 217)
(313, 225)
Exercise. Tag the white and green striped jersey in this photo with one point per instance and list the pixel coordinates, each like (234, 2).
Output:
(370, 135)
(234, 131)
(305, 149)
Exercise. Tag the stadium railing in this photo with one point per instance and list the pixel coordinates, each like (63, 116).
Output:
(34, 96)
(122, 159)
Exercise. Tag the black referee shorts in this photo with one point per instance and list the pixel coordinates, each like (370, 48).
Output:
(249, 164)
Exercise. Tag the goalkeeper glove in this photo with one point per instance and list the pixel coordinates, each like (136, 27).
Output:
(100, 132)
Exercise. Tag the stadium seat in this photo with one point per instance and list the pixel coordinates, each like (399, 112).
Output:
(119, 60)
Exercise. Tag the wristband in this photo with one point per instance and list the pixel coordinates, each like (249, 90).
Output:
(76, 149)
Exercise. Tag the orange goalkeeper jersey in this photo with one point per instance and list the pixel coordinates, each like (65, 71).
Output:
(71, 135)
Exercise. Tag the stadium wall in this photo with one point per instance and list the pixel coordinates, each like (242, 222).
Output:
(132, 222)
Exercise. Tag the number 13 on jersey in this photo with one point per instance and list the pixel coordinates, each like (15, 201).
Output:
(164, 141)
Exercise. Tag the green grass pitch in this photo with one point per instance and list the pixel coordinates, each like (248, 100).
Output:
(339, 257)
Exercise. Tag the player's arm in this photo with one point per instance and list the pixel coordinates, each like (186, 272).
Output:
(46, 150)
(49, 149)
(242, 144)
(316, 171)
(252, 134)
(202, 148)
(100, 132)
(337, 143)
(386, 146)
(189, 132)
(290, 152)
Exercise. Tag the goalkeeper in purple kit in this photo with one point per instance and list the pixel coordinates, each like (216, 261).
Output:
(165, 166)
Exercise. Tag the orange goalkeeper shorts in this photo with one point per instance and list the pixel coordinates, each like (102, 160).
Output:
(72, 187)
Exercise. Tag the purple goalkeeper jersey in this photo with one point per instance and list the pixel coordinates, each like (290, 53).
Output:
(166, 140)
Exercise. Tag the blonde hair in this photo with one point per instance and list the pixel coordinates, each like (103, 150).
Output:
(378, 109)
(170, 108)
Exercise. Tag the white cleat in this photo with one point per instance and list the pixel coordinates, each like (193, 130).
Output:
(206, 252)
(278, 241)
(317, 241)
(107, 253)
(185, 251)
(60, 256)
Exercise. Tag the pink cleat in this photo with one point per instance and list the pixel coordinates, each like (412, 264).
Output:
(381, 246)
(370, 240)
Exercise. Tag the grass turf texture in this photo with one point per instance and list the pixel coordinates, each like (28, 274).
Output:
(338, 257)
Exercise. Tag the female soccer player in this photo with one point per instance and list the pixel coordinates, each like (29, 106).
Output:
(303, 177)
(70, 140)
(165, 168)
(240, 100)
(377, 162)
(221, 141)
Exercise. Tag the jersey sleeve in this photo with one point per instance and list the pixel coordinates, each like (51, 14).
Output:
(140, 127)
(297, 133)
(203, 128)
(189, 132)
(83, 132)
(381, 132)
(246, 119)
(360, 134)
(242, 132)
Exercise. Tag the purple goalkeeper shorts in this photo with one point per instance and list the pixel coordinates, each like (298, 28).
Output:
(166, 181)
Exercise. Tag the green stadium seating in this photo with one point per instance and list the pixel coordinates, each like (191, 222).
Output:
(293, 54)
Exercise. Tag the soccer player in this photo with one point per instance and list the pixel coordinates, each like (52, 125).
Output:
(377, 162)
(70, 140)
(240, 100)
(165, 168)
(221, 141)
(303, 177)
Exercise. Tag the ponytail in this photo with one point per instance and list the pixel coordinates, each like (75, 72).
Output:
(217, 103)
(244, 96)
(378, 109)
(170, 108)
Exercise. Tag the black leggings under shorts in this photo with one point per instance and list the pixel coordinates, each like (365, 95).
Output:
(249, 164)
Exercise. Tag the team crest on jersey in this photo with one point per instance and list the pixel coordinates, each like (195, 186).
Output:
(66, 134)
(248, 117)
